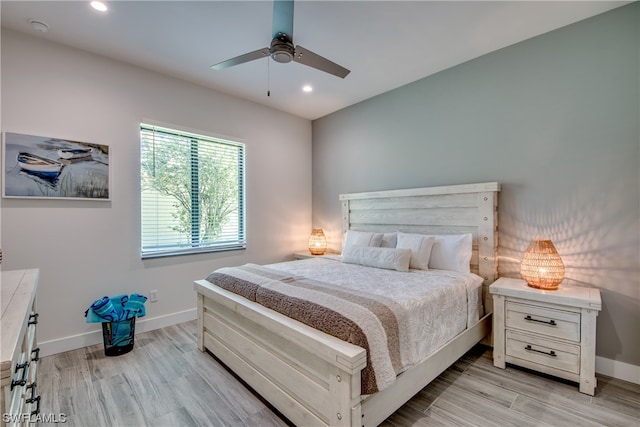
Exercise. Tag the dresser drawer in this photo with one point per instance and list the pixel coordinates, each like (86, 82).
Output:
(18, 353)
(542, 320)
(542, 351)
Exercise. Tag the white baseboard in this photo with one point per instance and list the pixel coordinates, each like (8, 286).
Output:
(619, 370)
(144, 324)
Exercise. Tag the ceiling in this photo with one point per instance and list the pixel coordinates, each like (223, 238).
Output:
(385, 44)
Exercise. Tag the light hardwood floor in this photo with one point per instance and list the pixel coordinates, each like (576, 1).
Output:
(166, 381)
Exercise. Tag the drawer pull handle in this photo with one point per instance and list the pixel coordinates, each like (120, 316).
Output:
(37, 410)
(531, 319)
(37, 356)
(32, 387)
(33, 319)
(550, 353)
(25, 371)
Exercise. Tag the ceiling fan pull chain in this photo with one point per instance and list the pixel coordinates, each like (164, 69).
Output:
(268, 78)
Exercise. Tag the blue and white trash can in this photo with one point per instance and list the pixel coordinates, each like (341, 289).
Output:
(118, 317)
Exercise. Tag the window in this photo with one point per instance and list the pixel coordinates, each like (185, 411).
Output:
(192, 193)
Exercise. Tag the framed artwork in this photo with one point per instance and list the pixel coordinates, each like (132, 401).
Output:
(40, 167)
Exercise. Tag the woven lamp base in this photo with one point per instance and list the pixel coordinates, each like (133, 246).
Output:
(545, 286)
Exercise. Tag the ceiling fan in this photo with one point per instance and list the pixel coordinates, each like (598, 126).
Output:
(282, 49)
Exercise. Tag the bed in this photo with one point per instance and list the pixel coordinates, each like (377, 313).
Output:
(317, 379)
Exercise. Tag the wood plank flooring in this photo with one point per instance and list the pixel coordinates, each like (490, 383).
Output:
(166, 381)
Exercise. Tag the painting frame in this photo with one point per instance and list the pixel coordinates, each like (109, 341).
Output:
(42, 167)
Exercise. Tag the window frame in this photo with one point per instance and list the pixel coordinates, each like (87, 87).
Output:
(175, 250)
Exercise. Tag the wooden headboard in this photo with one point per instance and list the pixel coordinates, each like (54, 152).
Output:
(452, 209)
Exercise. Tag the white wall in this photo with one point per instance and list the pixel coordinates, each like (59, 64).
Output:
(87, 249)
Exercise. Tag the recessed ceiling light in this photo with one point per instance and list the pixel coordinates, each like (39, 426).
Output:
(98, 5)
(307, 88)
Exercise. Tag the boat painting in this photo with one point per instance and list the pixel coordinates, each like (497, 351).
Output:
(74, 153)
(39, 165)
(45, 168)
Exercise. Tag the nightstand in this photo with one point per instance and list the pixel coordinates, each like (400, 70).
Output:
(553, 332)
(306, 254)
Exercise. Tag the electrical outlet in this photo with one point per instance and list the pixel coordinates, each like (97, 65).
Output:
(153, 295)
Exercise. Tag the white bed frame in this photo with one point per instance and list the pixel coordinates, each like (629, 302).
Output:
(313, 378)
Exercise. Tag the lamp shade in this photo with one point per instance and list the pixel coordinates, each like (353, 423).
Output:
(542, 266)
(317, 242)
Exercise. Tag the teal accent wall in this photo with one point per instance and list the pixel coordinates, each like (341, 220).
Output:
(554, 119)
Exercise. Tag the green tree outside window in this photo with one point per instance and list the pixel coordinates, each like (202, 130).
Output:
(192, 192)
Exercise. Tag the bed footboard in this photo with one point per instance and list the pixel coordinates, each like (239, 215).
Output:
(311, 377)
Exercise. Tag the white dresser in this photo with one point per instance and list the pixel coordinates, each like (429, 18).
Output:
(20, 403)
(553, 332)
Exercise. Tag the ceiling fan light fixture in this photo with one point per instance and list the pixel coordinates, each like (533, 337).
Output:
(281, 50)
(282, 56)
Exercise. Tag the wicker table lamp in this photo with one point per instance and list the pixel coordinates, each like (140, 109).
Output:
(542, 266)
(317, 242)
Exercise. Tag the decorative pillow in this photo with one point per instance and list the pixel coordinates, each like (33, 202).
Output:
(361, 238)
(389, 240)
(389, 258)
(420, 246)
(452, 252)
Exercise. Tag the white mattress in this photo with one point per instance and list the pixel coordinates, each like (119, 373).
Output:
(438, 304)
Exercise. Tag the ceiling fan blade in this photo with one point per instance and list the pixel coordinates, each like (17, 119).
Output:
(283, 18)
(256, 54)
(306, 57)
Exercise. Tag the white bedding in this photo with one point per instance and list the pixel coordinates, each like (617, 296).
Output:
(438, 304)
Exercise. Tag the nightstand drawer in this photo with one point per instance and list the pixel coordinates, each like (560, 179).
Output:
(542, 351)
(547, 321)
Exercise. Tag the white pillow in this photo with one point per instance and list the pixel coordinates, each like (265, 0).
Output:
(452, 252)
(361, 238)
(389, 240)
(420, 246)
(389, 258)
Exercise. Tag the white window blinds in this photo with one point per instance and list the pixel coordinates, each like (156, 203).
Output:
(192, 193)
